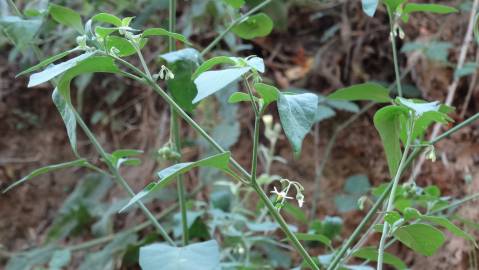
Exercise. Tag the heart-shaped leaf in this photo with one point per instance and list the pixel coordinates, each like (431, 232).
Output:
(258, 25)
(422, 238)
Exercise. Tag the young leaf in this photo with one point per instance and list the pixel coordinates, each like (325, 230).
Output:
(107, 18)
(366, 91)
(422, 238)
(323, 112)
(369, 6)
(258, 25)
(66, 16)
(208, 83)
(124, 46)
(432, 8)
(314, 237)
(68, 117)
(46, 62)
(297, 114)
(210, 63)
(392, 217)
(371, 254)
(47, 169)
(198, 256)
(168, 175)
(182, 88)
(55, 70)
(256, 63)
(387, 122)
(162, 32)
(393, 4)
(267, 92)
(235, 3)
(240, 97)
(447, 224)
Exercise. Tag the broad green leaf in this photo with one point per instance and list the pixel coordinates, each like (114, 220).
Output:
(182, 88)
(107, 18)
(433, 8)
(60, 259)
(468, 69)
(371, 254)
(168, 175)
(267, 92)
(365, 91)
(411, 214)
(198, 256)
(208, 83)
(297, 114)
(240, 97)
(392, 217)
(258, 25)
(369, 6)
(393, 4)
(420, 108)
(123, 45)
(20, 31)
(47, 169)
(235, 3)
(422, 238)
(447, 224)
(68, 117)
(314, 237)
(162, 32)
(66, 16)
(55, 70)
(387, 122)
(30, 259)
(343, 105)
(46, 62)
(210, 63)
(323, 112)
(357, 184)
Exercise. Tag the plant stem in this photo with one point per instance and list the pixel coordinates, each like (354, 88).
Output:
(278, 218)
(175, 133)
(234, 23)
(392, 194)
(119, 178)
(254, 159)
(392, 36)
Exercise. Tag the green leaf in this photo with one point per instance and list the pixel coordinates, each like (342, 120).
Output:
(314, 237)
(60, 258)
(46, 62)
(343, 105)
(47, 169)
(68, 117)
(366, 91)
(240, 97)
(357, 184)
(297, 114)
(182, 63)
(267, 92)
(107, 18)
(371, 254)
(55, 70)
(20, 31)
(235, 3)
(258, 25)
(422, 238)
(392, 217)
(123, 45)
(468, 69)
(165, 33)
(447, 224)
(369, 7)
(393, 4)
(387, 122)
(125, 157)
(210, 63)
(208, 83)
(432, 8)
(66, 16)
(200, 256)
(323, 112)
(168, 175)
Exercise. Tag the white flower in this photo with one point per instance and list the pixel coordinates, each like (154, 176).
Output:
(300, 199)
(281, 194)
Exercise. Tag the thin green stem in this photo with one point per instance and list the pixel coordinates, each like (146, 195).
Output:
(175, 133)
(233, 24)
(278, 218)
(392, 194)
(119, 178)
(15, 8)
(254, 159)
(392, 36)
